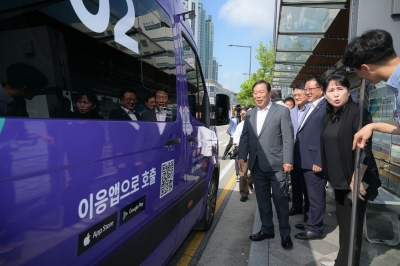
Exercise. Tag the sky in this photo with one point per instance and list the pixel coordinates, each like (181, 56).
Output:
(239, 22)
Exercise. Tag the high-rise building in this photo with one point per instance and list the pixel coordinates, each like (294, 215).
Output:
(203, 31)
(209, 45)
(215, 66)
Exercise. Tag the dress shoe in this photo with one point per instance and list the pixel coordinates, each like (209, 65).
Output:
(328, 263)
(223, 158)
(286, 242)
(308, 235)
(243, 198)
(261, 236)
(294, 211)
(301, 226)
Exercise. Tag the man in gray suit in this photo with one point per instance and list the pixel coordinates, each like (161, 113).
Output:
(267, 138)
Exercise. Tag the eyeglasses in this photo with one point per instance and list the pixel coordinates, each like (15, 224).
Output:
(130, 100)
(311, 89)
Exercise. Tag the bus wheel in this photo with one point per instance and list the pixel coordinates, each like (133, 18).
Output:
(208, 216)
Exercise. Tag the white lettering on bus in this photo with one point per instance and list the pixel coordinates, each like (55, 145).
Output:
(99, 22)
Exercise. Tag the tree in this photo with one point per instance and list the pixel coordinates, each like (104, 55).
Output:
(266, 56)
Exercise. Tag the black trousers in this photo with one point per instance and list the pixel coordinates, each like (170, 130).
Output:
(228, 147)
(343, 215)
(264, 182)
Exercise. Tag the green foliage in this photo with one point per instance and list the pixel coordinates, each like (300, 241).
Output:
(266, 56)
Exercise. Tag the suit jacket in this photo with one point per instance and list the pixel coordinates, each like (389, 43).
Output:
(294, 114)
(274, 145)
(120, 114)
(307, 149)
(150, 115)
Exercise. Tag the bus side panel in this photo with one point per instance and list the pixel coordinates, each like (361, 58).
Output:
(83, 211)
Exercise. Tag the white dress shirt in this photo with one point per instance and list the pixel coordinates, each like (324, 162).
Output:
(130, 113)
(261, 115)
(312, 107)
(160, 114)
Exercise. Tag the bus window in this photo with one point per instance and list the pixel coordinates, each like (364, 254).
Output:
(76, 51)
(194, 82)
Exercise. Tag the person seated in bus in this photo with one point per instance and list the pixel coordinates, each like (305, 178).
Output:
(23, 82)
(87, 106)
(160, 113)
(62, 109)
(128, 101)
(150, 102)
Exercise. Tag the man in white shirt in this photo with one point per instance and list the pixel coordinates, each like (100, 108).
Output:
(267, 141)
(160, 112)
(245, 182)
(307, 159)
(126, 111)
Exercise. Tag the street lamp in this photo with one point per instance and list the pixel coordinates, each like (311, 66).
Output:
(244, 46)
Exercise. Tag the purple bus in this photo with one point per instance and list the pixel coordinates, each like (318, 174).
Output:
(79, 189)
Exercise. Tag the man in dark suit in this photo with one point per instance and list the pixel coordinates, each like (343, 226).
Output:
(267, 138)
(160, 112)
(126, 111)
(150, 102)
(299, 190)
(307, 157)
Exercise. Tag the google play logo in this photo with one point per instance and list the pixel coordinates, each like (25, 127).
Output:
(124, 215)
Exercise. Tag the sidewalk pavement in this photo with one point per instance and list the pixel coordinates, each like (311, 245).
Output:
(270, 252)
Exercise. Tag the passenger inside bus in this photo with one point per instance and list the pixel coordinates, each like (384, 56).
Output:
(128, 101)
(62, 109)
(161, 112)
(23, 82)
(150, 102)
(87, 106)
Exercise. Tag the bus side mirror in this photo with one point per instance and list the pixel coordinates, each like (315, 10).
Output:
(222, 109)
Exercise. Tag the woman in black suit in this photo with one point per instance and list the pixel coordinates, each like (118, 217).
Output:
(340, 123)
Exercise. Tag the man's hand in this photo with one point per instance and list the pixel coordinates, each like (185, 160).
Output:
(241, 165)
(316, 168)
(362, 136)
(287, 167)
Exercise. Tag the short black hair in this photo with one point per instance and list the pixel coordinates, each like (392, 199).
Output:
(342, 81)
(164, 91)
(299, 86)
(91, 96)
(262, 82)
(276, 95)
(372, 47)
(148, 96)
(21, 74)
(321, 81)
(290, 99)
(123, 91)
(339, 80)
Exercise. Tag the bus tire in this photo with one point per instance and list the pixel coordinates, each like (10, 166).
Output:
(209, 207)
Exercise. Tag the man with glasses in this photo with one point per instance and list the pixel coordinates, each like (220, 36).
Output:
(299, 190)
(128, 102)
(307, 158)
